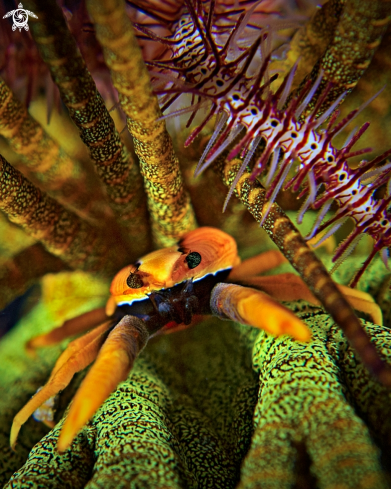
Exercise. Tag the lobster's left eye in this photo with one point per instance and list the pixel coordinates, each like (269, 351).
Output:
(193, 259)
(134, 281)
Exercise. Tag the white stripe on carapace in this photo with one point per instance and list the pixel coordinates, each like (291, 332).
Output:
(128, 303)
(165, 268)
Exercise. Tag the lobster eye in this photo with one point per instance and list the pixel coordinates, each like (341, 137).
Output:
(193, 259)
(134, 281)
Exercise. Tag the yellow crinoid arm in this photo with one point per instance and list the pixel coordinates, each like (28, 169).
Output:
(112, 366)
(253, 307)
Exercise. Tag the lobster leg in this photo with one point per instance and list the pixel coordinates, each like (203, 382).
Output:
(290, 287)
(253, 307)
(79, 354)
(257, 265)
(71, 327)
(112, 366)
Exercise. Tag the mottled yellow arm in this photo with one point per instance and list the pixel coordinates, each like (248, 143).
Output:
(63, 233)
(290, 242)
(18, 273)
(45, 162)
(169, 204)
(340, 42)
(114, 164)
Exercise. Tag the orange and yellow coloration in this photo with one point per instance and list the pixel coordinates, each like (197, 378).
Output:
(166, 288)
(168, 204)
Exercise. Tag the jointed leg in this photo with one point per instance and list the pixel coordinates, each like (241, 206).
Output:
(112, 366)
(361, 301)
(78, 345)
(71, 327)
(267, 261)
(290, 287)
(257, 265)
(253, 307)
(79, 354)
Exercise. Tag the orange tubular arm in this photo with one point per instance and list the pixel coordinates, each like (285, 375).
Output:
(253, 307)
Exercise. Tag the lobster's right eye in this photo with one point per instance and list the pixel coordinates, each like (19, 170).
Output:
(193, 259)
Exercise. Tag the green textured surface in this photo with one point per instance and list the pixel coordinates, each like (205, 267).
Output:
(217, 405)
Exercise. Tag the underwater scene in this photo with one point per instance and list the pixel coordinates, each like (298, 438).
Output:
(195, 223)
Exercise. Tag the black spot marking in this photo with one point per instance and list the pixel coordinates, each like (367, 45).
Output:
(193, 259)
(134, 281)
(274, 123)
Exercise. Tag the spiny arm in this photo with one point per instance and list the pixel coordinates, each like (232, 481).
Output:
(303, 259)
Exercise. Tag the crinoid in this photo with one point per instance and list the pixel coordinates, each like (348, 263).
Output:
(217, 405)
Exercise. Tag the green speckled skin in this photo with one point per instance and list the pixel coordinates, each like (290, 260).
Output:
(217, 405)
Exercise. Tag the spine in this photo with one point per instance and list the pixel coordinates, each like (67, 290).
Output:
(223, 62)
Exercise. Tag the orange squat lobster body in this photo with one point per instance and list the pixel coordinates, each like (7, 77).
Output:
(168, 286)
(168, 267)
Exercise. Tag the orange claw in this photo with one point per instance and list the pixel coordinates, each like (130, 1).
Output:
(112, 366)
(253, 307)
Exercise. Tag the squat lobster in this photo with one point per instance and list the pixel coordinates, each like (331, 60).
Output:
(166, 288)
